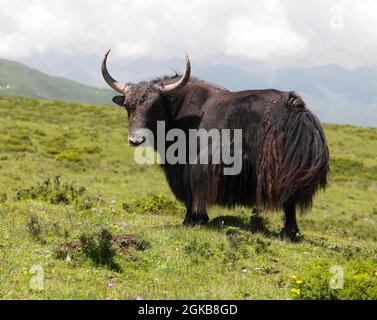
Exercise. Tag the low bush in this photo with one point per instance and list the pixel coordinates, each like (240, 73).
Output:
(154, 204)
(57, 193)
(356, 280)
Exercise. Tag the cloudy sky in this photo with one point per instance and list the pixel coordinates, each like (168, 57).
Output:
(276, 33)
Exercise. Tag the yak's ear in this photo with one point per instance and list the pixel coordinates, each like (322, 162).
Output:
(119, 100)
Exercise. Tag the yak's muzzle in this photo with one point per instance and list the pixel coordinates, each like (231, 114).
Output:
(136, 140)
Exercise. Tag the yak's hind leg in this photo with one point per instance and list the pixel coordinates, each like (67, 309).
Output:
(291, 230)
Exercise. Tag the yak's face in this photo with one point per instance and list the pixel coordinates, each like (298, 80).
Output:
(144, 109)
(143, 101)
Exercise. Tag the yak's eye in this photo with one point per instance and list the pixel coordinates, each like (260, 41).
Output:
(127, 107)
(126, 104)
(130, 110)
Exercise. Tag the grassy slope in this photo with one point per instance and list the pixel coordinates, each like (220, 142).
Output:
(86, 145)
(28, 82)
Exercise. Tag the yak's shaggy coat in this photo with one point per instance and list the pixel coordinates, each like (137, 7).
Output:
(285, 158)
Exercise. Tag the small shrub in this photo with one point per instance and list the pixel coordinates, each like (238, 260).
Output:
(237, 236)
(154, 204)
(360, 282)
(245, 240)
(35, 229)
(262, 246)
(198, 250)
(196, 247)
(241, 245)
(124, 242)
(100, 248)
(57, 193)
(258, 223)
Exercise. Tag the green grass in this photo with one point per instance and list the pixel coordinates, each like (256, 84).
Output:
(111, 229)
(25, 81)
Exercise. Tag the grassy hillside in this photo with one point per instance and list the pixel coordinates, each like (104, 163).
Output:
(17, 79)
(111, 229)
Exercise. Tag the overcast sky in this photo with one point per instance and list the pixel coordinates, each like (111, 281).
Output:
(292, 32)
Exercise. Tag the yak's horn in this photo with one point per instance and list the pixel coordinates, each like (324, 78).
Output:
(117, 86)
(182, 82)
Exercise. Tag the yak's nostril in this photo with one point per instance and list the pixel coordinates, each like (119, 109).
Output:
(136, 140)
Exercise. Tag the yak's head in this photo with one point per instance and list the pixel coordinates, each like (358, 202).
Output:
(143, 101)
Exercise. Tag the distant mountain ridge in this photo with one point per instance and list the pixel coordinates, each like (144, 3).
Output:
(334, 94)
(17, 79)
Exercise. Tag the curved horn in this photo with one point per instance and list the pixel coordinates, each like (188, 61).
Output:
(117, 86)
(182, 82)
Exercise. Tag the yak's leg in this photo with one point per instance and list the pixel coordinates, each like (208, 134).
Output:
(257, 210)
(188, 217)
(199, 210)
(290, 227)
(195, 216)
(200, 217)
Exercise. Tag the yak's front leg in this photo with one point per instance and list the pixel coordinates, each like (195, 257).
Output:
(195, 216)
(200, 217)
(257, 211)
(188, 217)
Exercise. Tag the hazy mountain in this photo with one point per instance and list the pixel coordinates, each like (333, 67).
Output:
(21, 80)
(335, 94)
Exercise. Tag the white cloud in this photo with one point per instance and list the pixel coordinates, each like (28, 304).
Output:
(163, 28)
(286, 32)
(262, 33)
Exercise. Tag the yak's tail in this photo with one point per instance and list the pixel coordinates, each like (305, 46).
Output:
(293, 162)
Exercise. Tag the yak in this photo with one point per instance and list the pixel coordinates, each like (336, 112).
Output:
(285, 157)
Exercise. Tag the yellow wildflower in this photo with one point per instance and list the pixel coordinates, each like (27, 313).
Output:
(296, 291)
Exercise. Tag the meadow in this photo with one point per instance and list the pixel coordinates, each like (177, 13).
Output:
(75, 206)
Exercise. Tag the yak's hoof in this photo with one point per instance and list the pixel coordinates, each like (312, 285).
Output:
(256, 212)
(292, 235)
(196, 220)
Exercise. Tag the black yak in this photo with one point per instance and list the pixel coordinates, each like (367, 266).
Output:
(285, 158)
